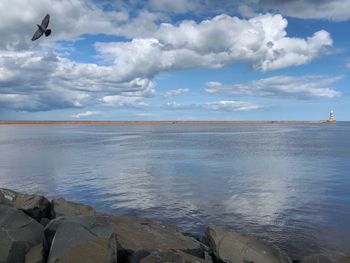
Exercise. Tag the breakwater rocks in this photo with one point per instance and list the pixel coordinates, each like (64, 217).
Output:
(35, 230)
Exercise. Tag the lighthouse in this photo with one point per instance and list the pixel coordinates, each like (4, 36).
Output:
(331, 117)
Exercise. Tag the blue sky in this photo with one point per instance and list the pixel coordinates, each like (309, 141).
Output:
(175, 60)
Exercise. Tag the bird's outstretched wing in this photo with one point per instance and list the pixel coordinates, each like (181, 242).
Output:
(37, 35)
(45, 21)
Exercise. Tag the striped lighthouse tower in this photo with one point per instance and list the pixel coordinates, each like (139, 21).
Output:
(331, 116)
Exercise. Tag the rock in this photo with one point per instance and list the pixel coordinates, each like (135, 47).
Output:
(7, 196)
(188, 234)
(44, 221)
(316, 259)
(232, 247)
(175, 256)
(19, 233)
(331, 258)
(99, 225)
(36, 206)
(81, 239)
(61, 207)
(35, 254)
(171, 227)
(140, 234)
(341, 259)
(2, 198)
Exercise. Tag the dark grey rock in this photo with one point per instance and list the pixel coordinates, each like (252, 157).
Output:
(329, 258)
(7, 196)
(2, 198)
(36, 206)
(175, 256)
(44, 221)
(316, 259)
(50, 231)
(19, 233)
(141, 234)
(232, 247)
(61, 207)
(81, 239)
(35, 254)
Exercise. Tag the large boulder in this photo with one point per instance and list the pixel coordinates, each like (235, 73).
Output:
(81, 239)
(329, 258)
(135, 235)
(232, 247)
(159, 256)
(35, 255)
(36, 206)
(316, 259)
(61, 207)
(2, 198)
(7, 196)
(19, 233)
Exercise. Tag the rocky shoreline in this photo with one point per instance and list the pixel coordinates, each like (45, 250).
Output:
(36, 230)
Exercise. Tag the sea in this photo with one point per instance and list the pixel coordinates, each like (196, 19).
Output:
(288, 184)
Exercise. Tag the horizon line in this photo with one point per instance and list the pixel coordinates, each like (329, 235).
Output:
(42, 122)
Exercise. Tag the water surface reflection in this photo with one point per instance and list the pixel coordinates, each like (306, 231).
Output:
(285, 183)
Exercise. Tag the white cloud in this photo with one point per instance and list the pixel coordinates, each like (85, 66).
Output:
(178, 6)
(337, 10)
(84, 114)
(176, 92)
(261, 41)
(35, 81)
(231, 105)
(284, 86)
(175, 105)
(69, 19)
(224, 105)
(122, 101)
(145, 114)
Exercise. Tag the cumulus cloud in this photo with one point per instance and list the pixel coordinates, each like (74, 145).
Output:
(262, 41)
(231, 105)
(284, 86)
(176, 92)
(175, 105)
(32, 79)
(69, 19)
(223, 105)
(337, 10)
(122, 101)
(84, 114)
(178, 6)
(35, 81)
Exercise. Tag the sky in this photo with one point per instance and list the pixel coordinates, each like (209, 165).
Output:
(175, 60)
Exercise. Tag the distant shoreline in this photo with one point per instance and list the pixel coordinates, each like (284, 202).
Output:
(155, 122)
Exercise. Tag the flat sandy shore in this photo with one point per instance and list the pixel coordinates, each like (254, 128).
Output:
(155, 122)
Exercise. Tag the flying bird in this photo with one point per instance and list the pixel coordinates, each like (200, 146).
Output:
(42, 28)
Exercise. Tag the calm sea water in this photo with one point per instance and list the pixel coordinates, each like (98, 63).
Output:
(288, 184)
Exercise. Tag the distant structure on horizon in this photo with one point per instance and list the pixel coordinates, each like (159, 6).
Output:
(331, 118)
